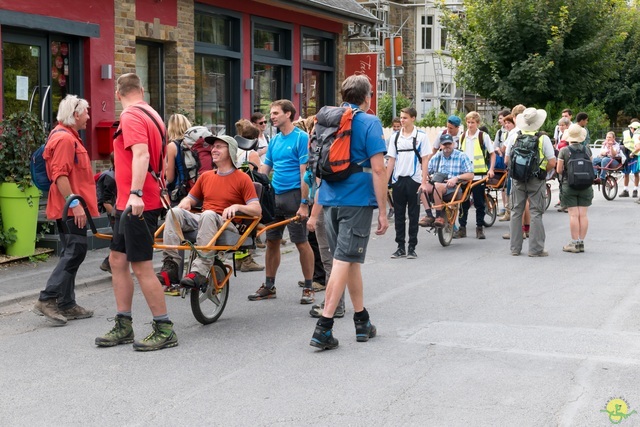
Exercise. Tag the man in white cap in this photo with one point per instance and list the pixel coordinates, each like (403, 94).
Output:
(239, 196)
(531, 188)
(631, 166)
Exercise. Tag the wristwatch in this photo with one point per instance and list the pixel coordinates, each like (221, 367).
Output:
(304, 202)
(136, 192)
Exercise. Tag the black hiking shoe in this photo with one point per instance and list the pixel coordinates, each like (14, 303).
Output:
(364, 330)
(323, 338)
(168, 274)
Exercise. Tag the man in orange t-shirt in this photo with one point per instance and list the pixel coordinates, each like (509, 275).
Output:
(69, 168)
(224, 193)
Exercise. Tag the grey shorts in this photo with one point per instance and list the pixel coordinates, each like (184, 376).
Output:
(287, 205)
(348, 229)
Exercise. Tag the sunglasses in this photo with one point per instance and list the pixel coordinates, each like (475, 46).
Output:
(264, 122)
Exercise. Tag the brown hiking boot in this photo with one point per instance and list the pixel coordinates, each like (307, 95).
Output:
(480, 233)
(77, 312)
(426, 221)
(49, 309)
(461, 233)
(248, 264)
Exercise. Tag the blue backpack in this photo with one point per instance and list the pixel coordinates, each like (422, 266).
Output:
(38, 166)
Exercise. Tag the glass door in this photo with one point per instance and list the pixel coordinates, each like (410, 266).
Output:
(38, 71)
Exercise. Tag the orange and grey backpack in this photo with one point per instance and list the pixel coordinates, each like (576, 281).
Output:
(332, 151)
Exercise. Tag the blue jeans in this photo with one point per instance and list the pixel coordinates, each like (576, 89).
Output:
(604, 162)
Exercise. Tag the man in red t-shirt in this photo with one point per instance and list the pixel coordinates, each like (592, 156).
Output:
(138, 151)
(224, 192)
(69, 168)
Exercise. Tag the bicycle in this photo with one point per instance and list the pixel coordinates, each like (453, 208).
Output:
(496, 185)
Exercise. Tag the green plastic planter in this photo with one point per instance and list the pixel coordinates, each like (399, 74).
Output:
(19, 213)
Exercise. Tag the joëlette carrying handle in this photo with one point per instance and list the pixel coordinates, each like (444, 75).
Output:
(126, 216)
(65, 214)
(278, 224)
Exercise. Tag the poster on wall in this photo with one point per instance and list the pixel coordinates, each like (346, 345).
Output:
(365, 64)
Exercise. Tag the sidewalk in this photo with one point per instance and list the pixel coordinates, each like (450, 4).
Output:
(25, 280)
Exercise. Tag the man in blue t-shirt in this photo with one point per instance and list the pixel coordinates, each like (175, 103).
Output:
(287, 155)
(348, 210)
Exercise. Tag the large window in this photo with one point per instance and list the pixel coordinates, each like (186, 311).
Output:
(318, 53)
(150, 69)
(217, 69)
(426, 32)
(272, 62)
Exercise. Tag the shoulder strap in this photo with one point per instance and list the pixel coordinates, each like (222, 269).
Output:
(396, 142)
(162, 136)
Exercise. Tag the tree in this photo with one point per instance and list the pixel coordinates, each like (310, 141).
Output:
(385, 106)
(622, 94)
(536, 51)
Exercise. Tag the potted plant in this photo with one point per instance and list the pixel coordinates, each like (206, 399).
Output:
(20, 135)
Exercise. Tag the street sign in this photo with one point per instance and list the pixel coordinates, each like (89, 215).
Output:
(397, 51)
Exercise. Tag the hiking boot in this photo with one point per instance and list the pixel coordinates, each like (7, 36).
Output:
(411, 254)
(76, 312)
(581, 246)
(461, 233)
(525, 234)
(169, 274)
(194, 280)
(506, 236)
(316, 311)
(400, 253)
(308, 296)
(248, 264)
(364, 330)
(572, 247)
(263, 293)
(635, 193)
(480, 233)
(105, 266)
(506, 216)
(323, 338)
(49, 309)
(438, 222)
(121, 333)
(390, 214)
(538, 254)
(426, 221)
(625, 193)
(318, 287)
(161, 337)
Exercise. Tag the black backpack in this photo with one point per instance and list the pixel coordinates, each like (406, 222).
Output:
(580, 173)
(525, 158)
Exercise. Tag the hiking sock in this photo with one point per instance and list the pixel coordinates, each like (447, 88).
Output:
(325, 322)
(429, 213)
(439, 214)
(525, 228)
(308, 283)
(269, 282)
(361, 315)
(126, 314)
(163, 318)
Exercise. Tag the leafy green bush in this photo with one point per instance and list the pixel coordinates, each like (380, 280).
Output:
(384, 108)
(7, 237)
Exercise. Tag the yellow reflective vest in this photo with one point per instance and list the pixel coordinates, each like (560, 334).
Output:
(479, 161)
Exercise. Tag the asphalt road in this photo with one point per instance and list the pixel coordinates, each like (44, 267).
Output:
(468, 335)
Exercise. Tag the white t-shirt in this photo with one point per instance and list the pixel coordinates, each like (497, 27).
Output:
(262, 143)
(407, 163)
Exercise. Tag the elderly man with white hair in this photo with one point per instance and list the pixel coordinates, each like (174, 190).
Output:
(532, 188)
(69, 169)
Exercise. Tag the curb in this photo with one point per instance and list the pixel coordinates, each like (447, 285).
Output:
(33, 294)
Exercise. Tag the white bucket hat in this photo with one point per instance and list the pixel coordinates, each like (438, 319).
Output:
(531, 119)
(575, 133)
